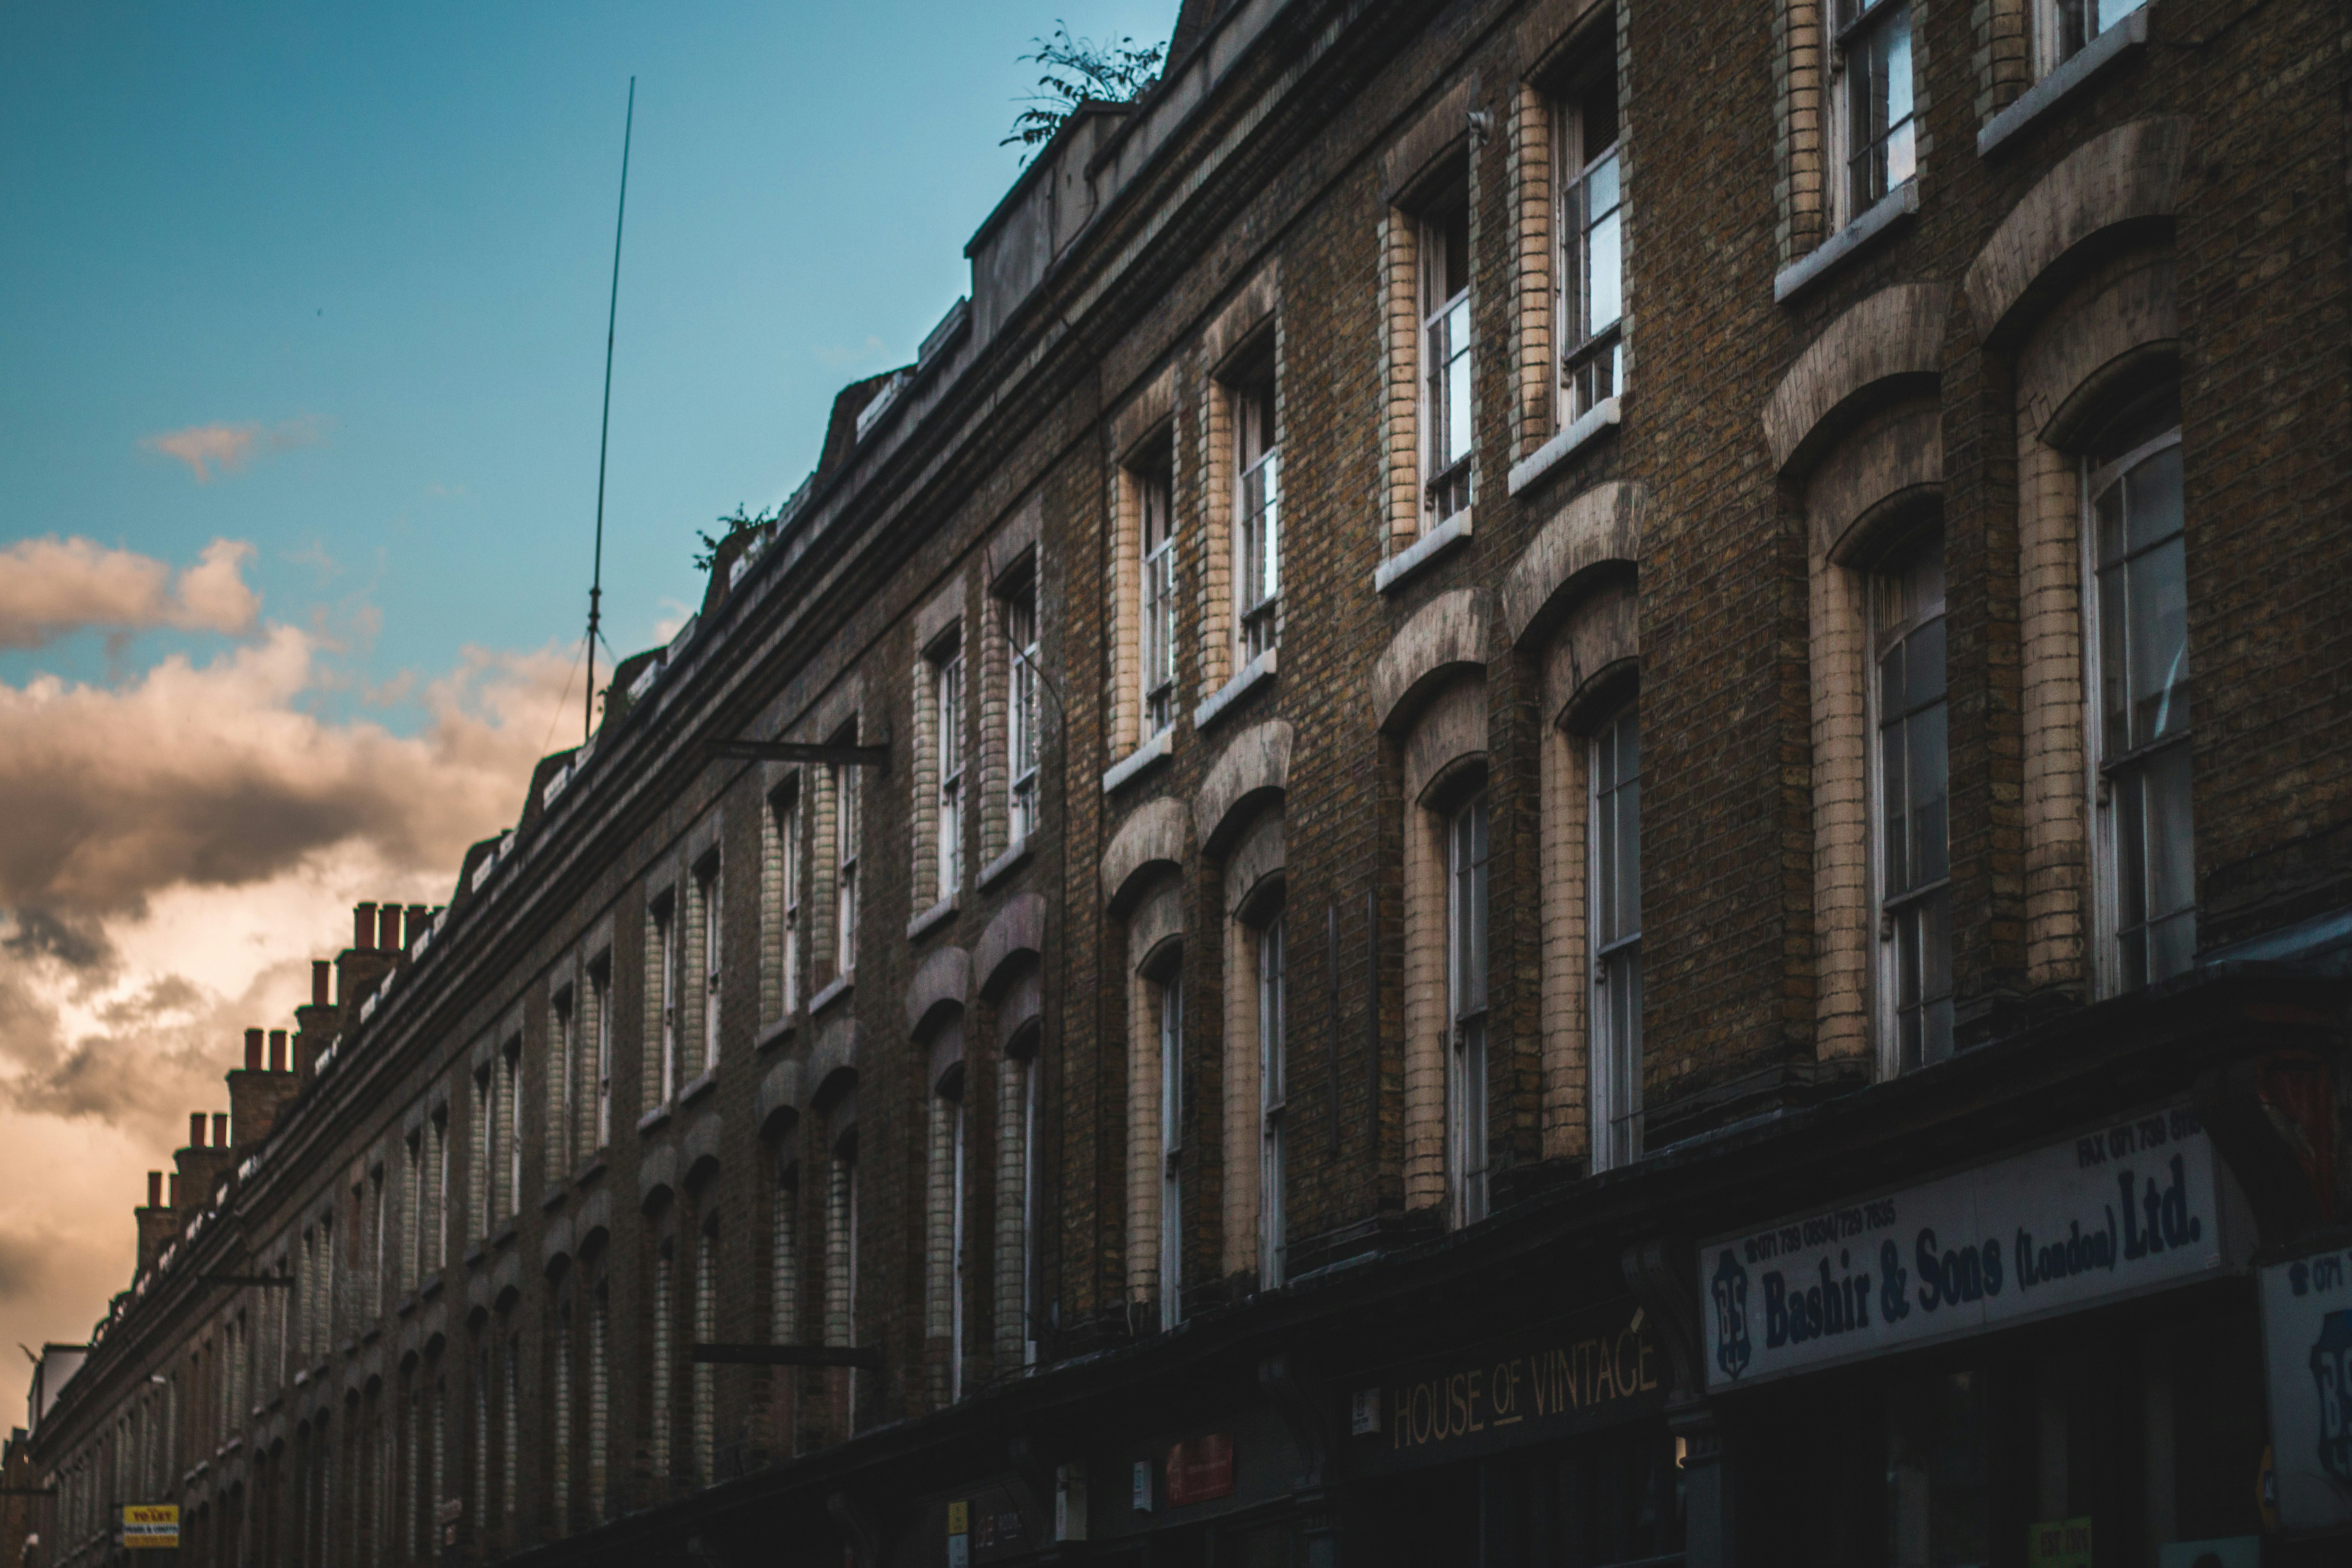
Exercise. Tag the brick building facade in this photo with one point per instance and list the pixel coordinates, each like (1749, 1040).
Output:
(1504, 725)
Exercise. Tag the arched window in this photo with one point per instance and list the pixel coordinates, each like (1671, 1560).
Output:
(1910, 783)
(2139, 695)
(1614, 876)
(702, 1389)
(1467, 856)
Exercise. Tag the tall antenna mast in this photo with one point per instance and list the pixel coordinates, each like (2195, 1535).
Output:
(604, 439)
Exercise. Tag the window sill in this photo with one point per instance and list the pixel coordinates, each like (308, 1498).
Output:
(1587, 428)
(589, 1172)
(832, 993)
(931, 919)
(1393, 573)
(1255, 674)
(374, 1333)
(432, 1288)
(1886, 215)
(474, 1253)
(652, 1118)
(505, 1234)
(696, 1087)
(408, 1305)
(1157, 748)
(553, 1198)
(1004, 865)
(775, 1033)
(2127, 37)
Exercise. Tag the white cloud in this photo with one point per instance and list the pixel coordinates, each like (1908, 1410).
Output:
(225, 448)
(51, 587)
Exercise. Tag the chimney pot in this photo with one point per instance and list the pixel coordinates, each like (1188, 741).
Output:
(154, 1189)
(220, 1129)
(277, 1050)
(252, 1049)
(195, 1129)
(322, 973)
(176, 1189)
(389, 928)
(363, 925)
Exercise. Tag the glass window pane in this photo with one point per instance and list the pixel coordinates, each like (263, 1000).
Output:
(1924, 654)
(1604, 264)
(1895, 809)
(2171, 852)
(1928, 771)
(2115, 694)
(1457, 382)
(2157, 638)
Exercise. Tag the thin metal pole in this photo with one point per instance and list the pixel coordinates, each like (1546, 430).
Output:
(604, 437)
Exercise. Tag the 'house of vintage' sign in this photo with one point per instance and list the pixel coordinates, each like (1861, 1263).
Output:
(2121, 1210)
(1593, 1369)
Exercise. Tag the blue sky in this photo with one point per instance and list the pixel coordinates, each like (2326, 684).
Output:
(380, 238)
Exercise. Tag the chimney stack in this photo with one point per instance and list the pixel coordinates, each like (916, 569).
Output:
(364, 927)
(155, 1228)
(388, 931)
(253, 1050)
(420, 919)
(321, 978)
(176, 1191)
(220, 1129)
(195, 1131)
(277, 1050)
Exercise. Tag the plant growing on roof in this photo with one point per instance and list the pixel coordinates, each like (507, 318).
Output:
(1080, 71)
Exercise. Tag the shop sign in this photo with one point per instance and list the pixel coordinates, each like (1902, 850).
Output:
(1200, 1469)
(2307, 1352)
(149, 1525)
(1576, 1374)
(2059, 1544)
(2121, 1210)
(982, 1527)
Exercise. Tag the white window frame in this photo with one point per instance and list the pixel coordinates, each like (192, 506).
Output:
(1886, 972)
(1273, 1009)
(666, 941)
(1171, 1149)
(1616, 1073)
(600, 987)
(1021, 714)
(709, 894)
(1257, 514)
(1591, 368)
(844, 884)
(946, 715)
(2064, 28)
(788, 938)
(1469, 910)
(1856, 26)
(1448, 376)
(1156, 597)
(2106, 766)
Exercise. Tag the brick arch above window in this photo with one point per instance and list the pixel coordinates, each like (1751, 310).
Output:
(2116, 332)
(1156, 924)
(1886, 468)
(555, 1252)
(1449, 734)
(1149, 839)
(1255, 764)
(2125, 179)
(832, 1070)
(939, 991)
(775, 1107)
(1596, 536)
(699, 1150)
(1445, 637)
(1890, 340)
(1592, 655)
(656, 1178)
(1016, 934)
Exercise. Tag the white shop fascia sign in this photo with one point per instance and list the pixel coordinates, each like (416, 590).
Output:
(2308, 1349)
(2121, 1210)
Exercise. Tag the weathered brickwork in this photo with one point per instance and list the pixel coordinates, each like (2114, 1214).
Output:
(526, 1385)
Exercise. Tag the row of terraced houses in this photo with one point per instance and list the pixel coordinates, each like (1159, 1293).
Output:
(1570, 789)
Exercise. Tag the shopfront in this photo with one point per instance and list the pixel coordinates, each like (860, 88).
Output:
(1541, 1449)
(2051, 1358)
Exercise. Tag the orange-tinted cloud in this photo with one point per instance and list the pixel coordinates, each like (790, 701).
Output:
(225, 448)
(51, 587)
